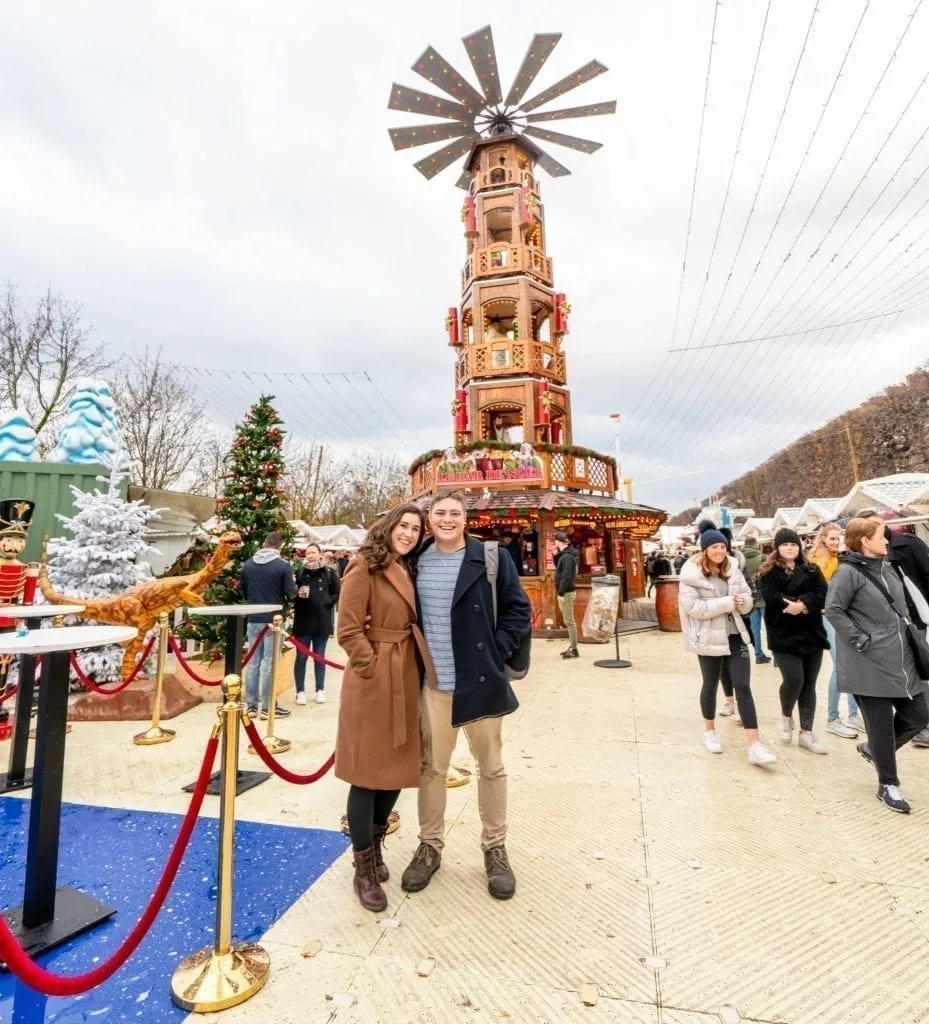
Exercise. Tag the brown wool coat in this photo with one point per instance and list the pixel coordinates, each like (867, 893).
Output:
(378, 745)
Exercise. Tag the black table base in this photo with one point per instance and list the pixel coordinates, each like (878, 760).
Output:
(616, 662)
(75, 912)
(18, 776)
(49, 916)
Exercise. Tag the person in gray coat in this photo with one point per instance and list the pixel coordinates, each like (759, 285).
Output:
(873, 657)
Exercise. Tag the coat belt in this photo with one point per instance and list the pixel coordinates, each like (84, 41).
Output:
(395, 637)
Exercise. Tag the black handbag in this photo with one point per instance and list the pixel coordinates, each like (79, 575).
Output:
(914, 634)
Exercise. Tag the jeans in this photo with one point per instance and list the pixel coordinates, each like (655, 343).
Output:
(892, 722)
(258, 670)
(317, 644)
(755, 618)
(799, 672)
(833, 692)
(566, 604)
(739, 671)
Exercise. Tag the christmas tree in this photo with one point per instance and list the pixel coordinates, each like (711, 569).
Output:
(90, 432)
(101, 558)
(252, 504)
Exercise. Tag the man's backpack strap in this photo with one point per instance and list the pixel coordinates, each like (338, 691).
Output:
(492, 564)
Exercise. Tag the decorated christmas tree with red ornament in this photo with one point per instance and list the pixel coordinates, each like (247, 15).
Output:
(251, 504)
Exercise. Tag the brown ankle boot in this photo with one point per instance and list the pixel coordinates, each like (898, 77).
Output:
(366, 885)
(380, 833)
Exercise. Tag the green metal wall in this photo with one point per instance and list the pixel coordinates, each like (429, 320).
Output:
(48, 484)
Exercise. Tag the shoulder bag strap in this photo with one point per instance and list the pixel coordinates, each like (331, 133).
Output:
(881, 587)
(492, 564)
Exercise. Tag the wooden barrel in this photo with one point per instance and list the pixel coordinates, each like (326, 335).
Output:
(669, 617)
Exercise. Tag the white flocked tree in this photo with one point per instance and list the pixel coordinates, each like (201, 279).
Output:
(103, 556)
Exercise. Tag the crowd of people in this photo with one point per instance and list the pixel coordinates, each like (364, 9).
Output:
(860, 592)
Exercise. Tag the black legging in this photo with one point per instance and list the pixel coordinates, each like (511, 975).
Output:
(738, 666)
(799, 672)
(367, 808)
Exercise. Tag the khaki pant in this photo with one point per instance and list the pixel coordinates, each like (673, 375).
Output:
(566, 604)
(486, 743)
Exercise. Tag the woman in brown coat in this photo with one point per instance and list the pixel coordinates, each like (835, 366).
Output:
(378, 747)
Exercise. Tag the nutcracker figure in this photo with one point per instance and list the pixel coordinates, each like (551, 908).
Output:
(17, 579)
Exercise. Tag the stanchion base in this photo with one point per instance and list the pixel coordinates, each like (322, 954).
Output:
(613, 663)
(206, 981)
(243, 782)
(12, 787)
(75, 912)
(273, 744)
(152, 736)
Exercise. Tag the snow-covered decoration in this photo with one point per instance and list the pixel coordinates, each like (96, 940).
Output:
(90, 432)
(102, 557)
(18, 442)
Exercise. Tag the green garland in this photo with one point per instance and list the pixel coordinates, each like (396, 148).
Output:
(505, 446)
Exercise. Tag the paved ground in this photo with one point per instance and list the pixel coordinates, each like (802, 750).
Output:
(674, 882)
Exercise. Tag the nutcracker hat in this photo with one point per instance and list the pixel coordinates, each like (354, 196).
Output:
(15, 516)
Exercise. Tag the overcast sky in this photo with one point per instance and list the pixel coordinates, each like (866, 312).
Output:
(217, 178)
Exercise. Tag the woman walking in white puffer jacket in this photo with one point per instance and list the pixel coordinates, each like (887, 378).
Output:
(713, 598)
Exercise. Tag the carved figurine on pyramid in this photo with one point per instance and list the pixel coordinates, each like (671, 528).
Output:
(17, 579)
(141, 606)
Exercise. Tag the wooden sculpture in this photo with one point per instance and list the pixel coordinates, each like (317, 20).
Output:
(141, 606)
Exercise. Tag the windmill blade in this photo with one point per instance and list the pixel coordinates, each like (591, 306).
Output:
(423, 134)
(480, 48)
(571, 141)
(464, 181)
(539, 51)
(416, 102)
(550, 164)
(572, 81)
(430, 166)
(589, 110)
(436, 69)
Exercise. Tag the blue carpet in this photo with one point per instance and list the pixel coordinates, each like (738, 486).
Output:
(117, 856)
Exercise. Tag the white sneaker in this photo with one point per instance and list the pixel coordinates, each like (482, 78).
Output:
(727, 709)
(856, 722)
(786, 729)
(301, 698)
(320, 696)
(711, 742)
(812, 743)
(757, 754)
(838, 728)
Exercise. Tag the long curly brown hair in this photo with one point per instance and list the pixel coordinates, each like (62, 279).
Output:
(376, 550)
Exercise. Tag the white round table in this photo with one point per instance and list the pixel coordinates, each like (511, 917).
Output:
(235, 616)
(49, 916)
(38, 611)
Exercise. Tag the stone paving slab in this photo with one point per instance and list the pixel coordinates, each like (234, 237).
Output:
(787, 892)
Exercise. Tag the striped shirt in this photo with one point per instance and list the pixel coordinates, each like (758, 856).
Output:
(436, 579)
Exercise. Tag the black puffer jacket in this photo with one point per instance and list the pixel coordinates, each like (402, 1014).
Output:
(795, 634)
(566, 570)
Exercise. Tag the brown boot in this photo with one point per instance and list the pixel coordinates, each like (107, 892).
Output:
(501, 882)
(367, 887)
(380, 833)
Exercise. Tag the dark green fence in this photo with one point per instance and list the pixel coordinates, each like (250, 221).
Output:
(48, 484)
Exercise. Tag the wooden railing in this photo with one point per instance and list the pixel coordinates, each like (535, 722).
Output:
(558, 469)
(507, 258)
(503, 357)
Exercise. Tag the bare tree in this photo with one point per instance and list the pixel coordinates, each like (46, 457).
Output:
(207, 471)
(43, 355)
(369, 482)
(311, 483)
(161, 418)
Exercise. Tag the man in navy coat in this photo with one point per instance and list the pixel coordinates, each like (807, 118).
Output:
(470, 652)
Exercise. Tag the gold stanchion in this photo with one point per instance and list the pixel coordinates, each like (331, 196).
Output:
(274, 744)
(155, 733)
(226, 973)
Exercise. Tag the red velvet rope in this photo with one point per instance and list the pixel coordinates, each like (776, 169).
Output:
(89, 684)
(50, 984)
(288, 776)
(312, 654)
(9, 693)
(185, 664)
(202, 680)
